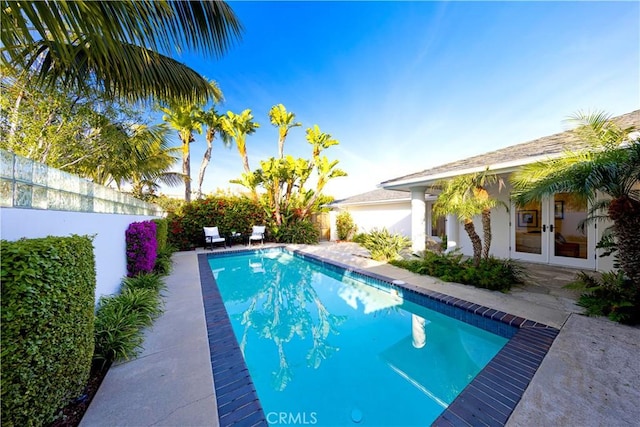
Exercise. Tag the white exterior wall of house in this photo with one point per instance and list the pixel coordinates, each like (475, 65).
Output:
(109, 242)
(395, 216)
(501, 227)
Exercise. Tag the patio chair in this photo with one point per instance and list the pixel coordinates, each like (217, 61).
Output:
(212, 236)
(257, 233)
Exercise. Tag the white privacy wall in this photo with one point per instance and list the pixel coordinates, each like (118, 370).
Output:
(396, 217)
(109, 242)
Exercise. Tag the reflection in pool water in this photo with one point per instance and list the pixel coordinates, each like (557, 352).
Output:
(319, 342)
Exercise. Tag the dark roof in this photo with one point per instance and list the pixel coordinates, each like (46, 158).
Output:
(533, 150)
(380, 195)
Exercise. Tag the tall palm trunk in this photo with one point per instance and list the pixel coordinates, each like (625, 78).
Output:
(625, 213)
(486, 231)
(475, 241)
(281, 145)
(186, 165)
(205, 161)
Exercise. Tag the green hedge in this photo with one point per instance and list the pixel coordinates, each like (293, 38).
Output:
(162, 233)
(48, 288)
(228, 213)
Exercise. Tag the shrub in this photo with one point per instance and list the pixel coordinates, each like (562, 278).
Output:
(226, 212)
(141, 247)
(144, 281)
(48, 288)
(164, 265)
(162, 232)
(304, 232)
(345, 225)
(613, 296)
(121, 318)
(492, 273)
(383, 245)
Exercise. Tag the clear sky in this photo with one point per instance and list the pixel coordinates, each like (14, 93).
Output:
(405, 86)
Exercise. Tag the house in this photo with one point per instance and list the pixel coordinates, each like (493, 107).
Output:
(543, 232)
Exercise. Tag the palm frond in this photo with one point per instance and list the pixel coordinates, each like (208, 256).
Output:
(68, 40)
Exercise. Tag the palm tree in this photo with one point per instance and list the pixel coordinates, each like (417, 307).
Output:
(609, 166)
(238, 126)
(480, 181)
(213, 121)
(153, 161)
(185, 118)
(118, 46)
(458, 198)
(284, 121)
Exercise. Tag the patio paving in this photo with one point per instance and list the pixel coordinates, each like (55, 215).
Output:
(590, 377)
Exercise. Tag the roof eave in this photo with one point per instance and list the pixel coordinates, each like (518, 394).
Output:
(428, 180)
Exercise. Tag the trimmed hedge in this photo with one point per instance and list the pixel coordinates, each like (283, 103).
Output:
(162, 233)
(228, 213)
(48, 288)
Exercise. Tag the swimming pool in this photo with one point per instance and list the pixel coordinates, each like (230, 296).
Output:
(324, 348)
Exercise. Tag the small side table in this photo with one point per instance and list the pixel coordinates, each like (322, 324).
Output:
(235, 238)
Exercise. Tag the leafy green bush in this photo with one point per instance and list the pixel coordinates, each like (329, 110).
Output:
(164, 265)
(613, 296)
(145, 281)
(121, 318)
(492, 273)
(162, 233)
(345, 225)
(383, 245)
(48, 288)
(226, 212)
(297, 232)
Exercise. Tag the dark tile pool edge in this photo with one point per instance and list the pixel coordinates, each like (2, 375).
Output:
(236, 395)
(492, 395)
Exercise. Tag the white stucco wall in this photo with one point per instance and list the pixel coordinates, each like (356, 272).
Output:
(396, 217)
(109, 242)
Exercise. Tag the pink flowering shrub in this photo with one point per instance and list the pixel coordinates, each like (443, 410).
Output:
(142, 247)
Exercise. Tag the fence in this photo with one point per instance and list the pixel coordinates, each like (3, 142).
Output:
(32, 185)
(39, 201)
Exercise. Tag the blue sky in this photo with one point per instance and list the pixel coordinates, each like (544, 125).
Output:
(405, 86)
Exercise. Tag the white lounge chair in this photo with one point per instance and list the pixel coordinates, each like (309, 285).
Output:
(257, 233)
(211, 235)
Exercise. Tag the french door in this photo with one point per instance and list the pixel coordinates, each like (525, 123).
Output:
(549, 232)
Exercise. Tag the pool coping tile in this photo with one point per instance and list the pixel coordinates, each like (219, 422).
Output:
(489, 399)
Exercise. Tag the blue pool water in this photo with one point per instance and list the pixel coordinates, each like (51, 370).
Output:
(326, 349)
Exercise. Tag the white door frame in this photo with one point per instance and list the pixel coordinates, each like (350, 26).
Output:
(547, 240)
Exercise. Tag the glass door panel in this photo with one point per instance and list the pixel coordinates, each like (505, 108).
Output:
(528, 229)
(569, 239)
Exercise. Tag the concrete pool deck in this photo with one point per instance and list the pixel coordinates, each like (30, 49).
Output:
(590, 377)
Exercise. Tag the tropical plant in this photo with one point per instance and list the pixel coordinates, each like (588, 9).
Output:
(612, 295)
(481, 181)
(383, 245)
(85, 134)
(116, 45)
(490, 273)
(302, 231)
(186, 119)
(345, 226)
(606, 174)
(457, 197)
(213, 121)
(238, 126)
(141, 247)
(150, 281)
(283, 120)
